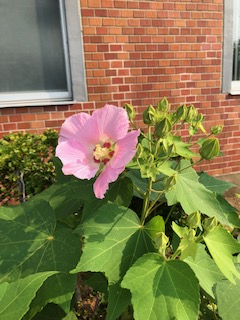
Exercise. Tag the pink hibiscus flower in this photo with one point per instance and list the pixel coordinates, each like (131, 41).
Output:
(89, 145)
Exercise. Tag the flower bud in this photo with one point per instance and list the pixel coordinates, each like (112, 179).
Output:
(180, 113)
(149, 115)
(163, 105)
(210, 223)
(161, 241)
(191, 113)
(210, 149)
(170, 182)
(162, 128)
(194, 219)
(197, 123)
(130, 111)
(216, 130)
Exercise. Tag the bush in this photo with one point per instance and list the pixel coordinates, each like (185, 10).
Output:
(26, 167)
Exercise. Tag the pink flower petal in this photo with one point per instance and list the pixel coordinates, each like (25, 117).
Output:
(72, 126)
(80, 171)
(125, 149)
(112, 122)
(107, 176)
(76, 160)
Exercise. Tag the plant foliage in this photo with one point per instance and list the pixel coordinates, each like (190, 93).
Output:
(161, 245)
(25, 165)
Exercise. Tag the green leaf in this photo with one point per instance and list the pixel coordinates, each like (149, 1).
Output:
(118, 301)
(166, 168)
(67, 198)
(114, 239)
(180, 231)
(98, 282)
(155, 225)
(32, 242)
(162, 289)
(70, 316)
(142, 184)
(213, 184)
(58, 289)
(120, 193)
(18, 295)
(181, 148)
(194, 196)
(222, 246)
(228, 299)
(188, 246)
(230, 211)
(205, 269)
(50, 312)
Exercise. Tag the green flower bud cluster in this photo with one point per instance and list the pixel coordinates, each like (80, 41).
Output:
(161, 147)
(152, 115)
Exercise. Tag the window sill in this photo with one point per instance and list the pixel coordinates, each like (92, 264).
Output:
(235, 88)
(15, 104)
(234, 92)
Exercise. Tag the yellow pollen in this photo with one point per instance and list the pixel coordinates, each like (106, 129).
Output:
(100, 153)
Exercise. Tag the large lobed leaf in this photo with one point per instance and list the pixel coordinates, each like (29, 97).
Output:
(162, 289)
(15, 297)
(57, 289)
(194, 196)
(205, 269)
(32, 242)
(213, 184)
(228, 298)
(222, 246)
(114, 240)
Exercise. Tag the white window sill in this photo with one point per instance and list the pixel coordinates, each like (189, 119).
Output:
(13, 104)
(235, 88)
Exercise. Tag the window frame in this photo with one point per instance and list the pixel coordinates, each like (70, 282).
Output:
(228, 85)
(71, 28)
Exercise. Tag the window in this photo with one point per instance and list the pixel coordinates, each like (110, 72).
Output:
(231, 53)
(41, 58)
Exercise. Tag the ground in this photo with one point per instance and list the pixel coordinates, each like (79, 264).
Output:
(230, 196)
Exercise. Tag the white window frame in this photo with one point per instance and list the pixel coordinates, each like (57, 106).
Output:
(74, 63)
(228, 85)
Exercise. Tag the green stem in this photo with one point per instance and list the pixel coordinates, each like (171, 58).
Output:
(190, 139)
(146, 201)
(180, 127)
(135, 127)
(196, 142)
(191, 165)
(176, 253)
(149, 139)
(169, 213)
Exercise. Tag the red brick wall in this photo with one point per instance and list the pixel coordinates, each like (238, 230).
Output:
(139, 51)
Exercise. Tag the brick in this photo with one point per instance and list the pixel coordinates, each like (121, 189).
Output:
(140, 51)
(9, 127)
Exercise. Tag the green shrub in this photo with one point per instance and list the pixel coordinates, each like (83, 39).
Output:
(25, 164)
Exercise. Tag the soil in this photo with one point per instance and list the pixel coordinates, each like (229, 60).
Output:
(230, 196)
